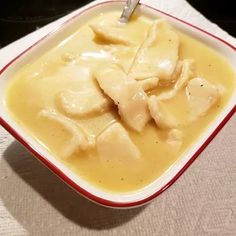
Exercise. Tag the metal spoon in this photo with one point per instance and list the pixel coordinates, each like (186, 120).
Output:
(128, 10)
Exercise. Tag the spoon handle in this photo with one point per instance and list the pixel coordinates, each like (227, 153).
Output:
(128, 10)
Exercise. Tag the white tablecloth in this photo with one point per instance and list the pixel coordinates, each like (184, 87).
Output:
(202, 202)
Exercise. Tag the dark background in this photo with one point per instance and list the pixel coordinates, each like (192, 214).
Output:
(20, 17)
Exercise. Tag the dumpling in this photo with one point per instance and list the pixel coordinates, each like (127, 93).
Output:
(127, 94)
(111, 33)
(115, 144)
(176, 74)
(81, 103)
(159, 113)
(158, 55)
(202, 95)
(184, 77)
(80, 139)
(149, 83)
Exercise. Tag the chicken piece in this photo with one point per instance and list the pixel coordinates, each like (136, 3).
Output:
(175, 139)
(114, 144)
(184, 77)
(127, 94)
(158, 55)
(80, 139)
(202, 95)
(86, 102)
(111, 33)
(159, 113)
(149, 84)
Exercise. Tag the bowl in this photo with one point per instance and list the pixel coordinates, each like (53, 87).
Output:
(108, 199)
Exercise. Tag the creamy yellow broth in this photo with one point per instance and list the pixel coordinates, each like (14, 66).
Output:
(35, 86)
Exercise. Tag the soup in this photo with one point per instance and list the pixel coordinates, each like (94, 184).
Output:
(119, 103)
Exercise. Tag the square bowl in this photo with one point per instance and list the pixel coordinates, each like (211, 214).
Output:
(97, 195)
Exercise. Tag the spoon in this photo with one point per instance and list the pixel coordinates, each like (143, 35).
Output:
(128, 10)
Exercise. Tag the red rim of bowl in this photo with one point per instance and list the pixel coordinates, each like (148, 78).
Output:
(69, 181)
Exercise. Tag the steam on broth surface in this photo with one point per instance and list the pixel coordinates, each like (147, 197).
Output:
(119, 104)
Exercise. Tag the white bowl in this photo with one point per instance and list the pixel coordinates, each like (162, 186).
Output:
(122, 200)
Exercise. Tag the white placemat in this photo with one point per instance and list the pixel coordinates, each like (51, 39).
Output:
(202, 202)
